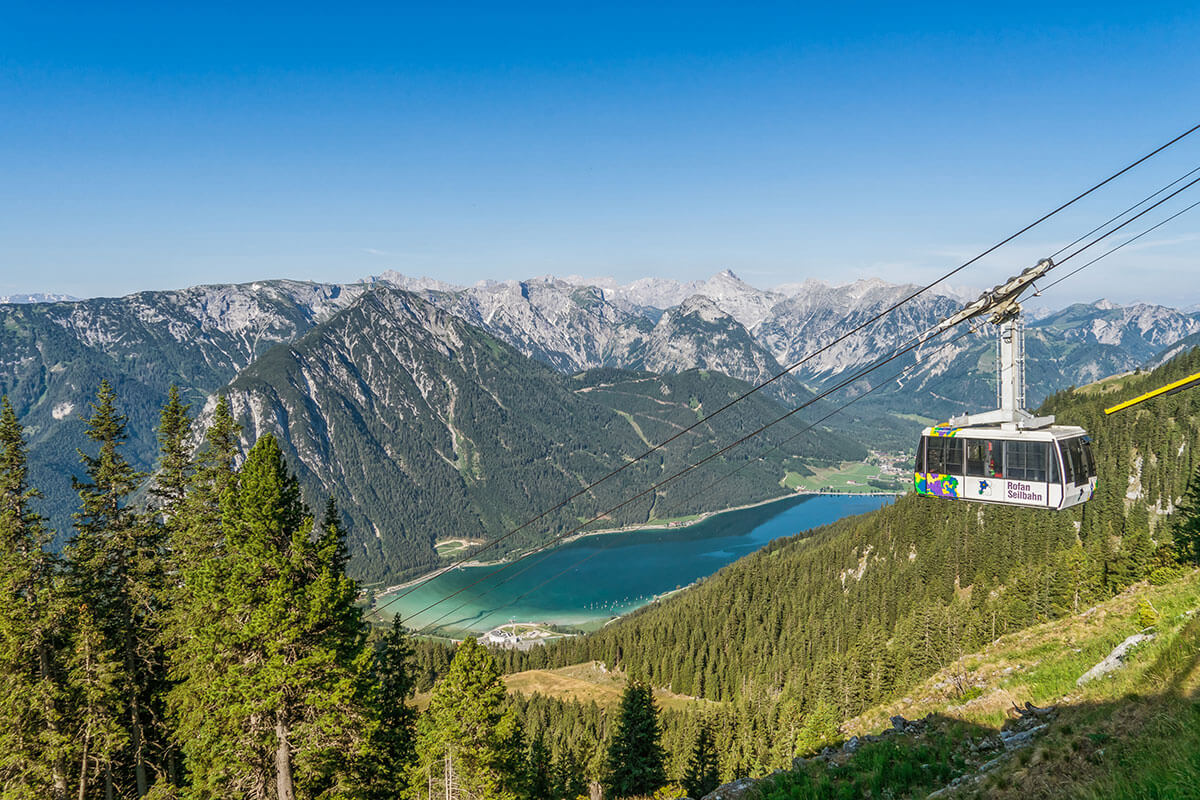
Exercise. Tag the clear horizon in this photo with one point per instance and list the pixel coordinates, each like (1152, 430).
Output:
(156, 148)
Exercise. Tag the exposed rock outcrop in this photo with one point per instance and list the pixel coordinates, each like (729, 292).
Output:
(732, 790)
(1114, 660)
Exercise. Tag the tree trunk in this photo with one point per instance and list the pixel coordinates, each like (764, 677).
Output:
(83, 770)
(136, 734)
(283, 762)
(137, 740)
(59, 771)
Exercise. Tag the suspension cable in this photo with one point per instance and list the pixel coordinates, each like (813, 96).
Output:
(652, 449)
(691, 467)
(1128, 241)
(719, 480)
(1116, 217)
(862, 373)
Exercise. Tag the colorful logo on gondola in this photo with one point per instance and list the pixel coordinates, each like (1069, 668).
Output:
(983, 487)
(936, 485)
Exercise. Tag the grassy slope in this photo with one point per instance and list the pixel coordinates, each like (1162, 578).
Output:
(1134, 734)
(582, 683)
(587, 683)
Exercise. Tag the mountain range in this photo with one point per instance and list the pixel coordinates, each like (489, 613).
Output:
(491, 399)
(424, 427)
(727, 325)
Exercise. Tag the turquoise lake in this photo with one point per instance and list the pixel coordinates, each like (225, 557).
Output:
(590, 580)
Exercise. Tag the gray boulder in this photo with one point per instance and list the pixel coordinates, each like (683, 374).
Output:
(734, 790)
(1114, 660)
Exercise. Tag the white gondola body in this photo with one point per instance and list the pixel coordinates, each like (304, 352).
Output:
(1051, 467)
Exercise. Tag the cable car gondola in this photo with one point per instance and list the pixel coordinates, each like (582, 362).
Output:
(1007, 455)
(1048, 468)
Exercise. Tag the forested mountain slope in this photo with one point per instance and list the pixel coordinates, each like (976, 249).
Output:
(424, 427)
(53, 356)
(862, 609)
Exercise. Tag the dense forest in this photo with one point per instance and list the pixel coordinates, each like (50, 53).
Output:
(206, 642)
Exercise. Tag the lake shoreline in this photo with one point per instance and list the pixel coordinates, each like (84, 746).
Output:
(649, 564)
(660, 526)
(705, 515)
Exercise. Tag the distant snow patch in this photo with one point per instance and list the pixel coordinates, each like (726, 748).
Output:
(62, 410)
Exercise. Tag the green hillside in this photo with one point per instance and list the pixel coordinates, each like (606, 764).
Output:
(825, 626)
(1131, 734)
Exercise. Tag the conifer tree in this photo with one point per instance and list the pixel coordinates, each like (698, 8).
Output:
(216, 467)
(1137, 552)
(194, 515)
(701, 775)
(513, 763)
(271, 682)
(569, 780)
(634, 765)
(540, 783)
(175, 458)
(1187, 522)
(820, 727)
(95, 679)
(115, 563)
(333, 539)
(392, 747)
(462, 739)
(34, 738)
(170, 486)
(195, 542)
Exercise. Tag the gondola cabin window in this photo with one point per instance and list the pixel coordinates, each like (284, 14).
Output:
(1078, 464)
(985, 458)
(1026, 461)
(943, 455)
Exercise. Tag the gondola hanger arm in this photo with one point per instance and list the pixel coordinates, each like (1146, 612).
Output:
(1001, 301)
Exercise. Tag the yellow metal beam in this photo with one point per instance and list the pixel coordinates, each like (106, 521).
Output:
(1170, 387)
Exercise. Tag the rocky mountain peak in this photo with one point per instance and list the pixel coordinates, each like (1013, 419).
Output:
(413, 284)
(700, 305)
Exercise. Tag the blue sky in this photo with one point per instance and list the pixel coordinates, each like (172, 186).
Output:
(149, 146)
